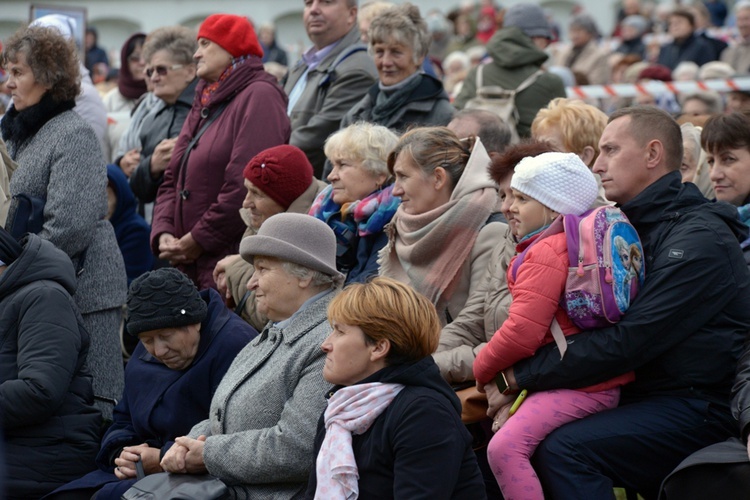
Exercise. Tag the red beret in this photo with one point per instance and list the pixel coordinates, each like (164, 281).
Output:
(235, 34)
(283, 173)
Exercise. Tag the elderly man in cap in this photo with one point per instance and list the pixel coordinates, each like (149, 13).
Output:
(259, 435)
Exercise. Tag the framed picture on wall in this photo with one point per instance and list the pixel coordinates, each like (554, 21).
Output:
(75, 18)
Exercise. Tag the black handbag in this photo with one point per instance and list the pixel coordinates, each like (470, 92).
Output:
(28, 217)
(168, 486)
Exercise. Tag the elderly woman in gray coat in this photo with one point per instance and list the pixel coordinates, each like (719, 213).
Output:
(60, 164)
(259, 436)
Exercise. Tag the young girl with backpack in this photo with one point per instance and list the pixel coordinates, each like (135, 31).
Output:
(544, 187)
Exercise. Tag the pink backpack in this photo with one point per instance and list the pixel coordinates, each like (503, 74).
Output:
(606, 267)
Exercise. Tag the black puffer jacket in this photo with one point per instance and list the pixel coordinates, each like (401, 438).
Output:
(46, 401)
(417, 448)
(684, 332)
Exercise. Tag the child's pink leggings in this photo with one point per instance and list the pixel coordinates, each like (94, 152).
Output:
(511, 448)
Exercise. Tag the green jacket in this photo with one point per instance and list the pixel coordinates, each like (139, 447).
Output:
(515, 58)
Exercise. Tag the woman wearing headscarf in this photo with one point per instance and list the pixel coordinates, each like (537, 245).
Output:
(239, 110)
(46, 400)
(131, 85)
(187, 340)
(405, 95)
(60, 164)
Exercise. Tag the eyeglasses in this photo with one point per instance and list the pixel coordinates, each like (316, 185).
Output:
(161, 70)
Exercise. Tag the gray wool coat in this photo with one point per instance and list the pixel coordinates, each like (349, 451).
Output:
(263, 415)
(63, 163)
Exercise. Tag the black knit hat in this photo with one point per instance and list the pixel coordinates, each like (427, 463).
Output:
(164, 298)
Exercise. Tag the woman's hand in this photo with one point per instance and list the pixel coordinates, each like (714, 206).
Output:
(501, 416)
(179, 251)
(220, 274)
(129, 161)
(187, 457)
(148, 456)
(161, 156)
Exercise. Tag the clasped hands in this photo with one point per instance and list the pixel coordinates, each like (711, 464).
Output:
(183, 250)
(185, 456)
(499, 404)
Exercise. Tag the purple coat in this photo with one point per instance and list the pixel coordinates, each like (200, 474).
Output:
(255, 119)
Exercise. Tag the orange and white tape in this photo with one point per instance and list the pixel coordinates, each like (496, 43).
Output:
(655, 87)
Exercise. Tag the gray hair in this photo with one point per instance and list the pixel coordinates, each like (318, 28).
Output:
(318, 279)
(710, 98)
(364, 142)
(586, 23)
(179, 41)
(402, 24)
(741, 5)
(494, 132)
(691, 136)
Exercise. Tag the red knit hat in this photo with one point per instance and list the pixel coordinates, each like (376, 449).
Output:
(235, 34)
(283, 173)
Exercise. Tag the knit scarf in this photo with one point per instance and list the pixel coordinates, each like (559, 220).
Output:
(744, 214)
(363, 217)
(19, 126)
(210, 89)
(433, 247)
(391, 99)
(351, 410)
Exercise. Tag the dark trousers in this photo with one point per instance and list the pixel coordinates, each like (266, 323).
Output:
(634, 446)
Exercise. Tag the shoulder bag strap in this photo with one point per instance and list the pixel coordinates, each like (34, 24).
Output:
(183, 192)
(479, 76)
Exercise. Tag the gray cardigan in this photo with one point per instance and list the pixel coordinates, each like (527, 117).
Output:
(63, 163)
(263, 415)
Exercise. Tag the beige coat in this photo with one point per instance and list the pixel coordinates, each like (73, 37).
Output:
(489, 303)
(239, 272)
(738, 56)
(593, 62)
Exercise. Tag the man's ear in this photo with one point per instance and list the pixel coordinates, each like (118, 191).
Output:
(654, 154)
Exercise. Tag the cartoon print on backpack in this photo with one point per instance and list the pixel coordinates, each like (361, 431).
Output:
(627, 270)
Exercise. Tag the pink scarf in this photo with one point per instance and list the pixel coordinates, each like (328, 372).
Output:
(351, 410)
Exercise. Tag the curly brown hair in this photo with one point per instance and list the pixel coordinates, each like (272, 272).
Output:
(52, 58)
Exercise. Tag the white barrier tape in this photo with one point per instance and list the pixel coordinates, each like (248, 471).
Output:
(656, 87)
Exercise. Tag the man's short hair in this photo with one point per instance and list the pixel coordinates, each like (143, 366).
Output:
(494, 133)
(649, 123)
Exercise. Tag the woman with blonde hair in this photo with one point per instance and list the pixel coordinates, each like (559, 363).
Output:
(359, 202)
(399, 422)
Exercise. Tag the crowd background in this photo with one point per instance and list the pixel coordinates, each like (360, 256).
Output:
(268, 180)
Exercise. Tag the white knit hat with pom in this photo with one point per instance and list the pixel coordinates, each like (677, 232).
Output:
(559, 181)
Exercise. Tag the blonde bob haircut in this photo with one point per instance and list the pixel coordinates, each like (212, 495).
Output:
(386, 309)
(404, 25)
(580, 124)
(363, 142)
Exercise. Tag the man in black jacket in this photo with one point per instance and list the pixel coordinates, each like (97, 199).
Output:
(682, 335)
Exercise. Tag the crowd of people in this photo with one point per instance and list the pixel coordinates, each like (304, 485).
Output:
(350, 276)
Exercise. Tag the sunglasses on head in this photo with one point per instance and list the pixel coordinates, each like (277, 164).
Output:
(161, 70)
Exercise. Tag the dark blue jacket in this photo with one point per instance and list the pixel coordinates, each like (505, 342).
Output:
(50, 425)
(694, 48)
(131, 230)
(159, 403)
(366, 251)
(418, 448)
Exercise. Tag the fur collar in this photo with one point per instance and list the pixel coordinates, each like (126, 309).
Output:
(19, 126)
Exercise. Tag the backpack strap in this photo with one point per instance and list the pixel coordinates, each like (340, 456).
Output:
(330, 71)
(529, 81)
(559, 337)
(479, 76)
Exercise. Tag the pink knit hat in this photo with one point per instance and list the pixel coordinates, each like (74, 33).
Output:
(283, 173)
(235, 34)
